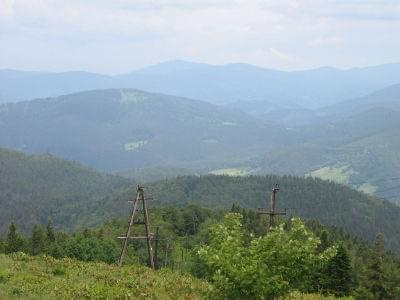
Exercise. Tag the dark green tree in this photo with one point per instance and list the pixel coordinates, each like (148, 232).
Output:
(37, 240)
(378, 278)
(337, 274)
(2, 245)
(14, 241)
(50, 237)
(324, 241)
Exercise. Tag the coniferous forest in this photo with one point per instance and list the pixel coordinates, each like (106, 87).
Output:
(231, 249)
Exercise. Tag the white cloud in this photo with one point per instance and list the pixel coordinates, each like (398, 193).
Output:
(119, 35)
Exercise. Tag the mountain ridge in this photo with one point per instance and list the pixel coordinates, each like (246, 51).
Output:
(218, 84)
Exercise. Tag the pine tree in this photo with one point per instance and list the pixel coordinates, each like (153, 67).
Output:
(50, 237)
(337, 274)
(38, 240)
(2, 245)
(377, 275)
(14, 241)
(324, 241)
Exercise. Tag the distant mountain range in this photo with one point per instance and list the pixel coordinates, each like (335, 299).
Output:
(355, 141)
(252, 89)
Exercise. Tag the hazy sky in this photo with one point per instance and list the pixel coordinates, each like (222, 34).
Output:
(116, 36)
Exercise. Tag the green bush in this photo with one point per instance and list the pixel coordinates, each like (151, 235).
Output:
(269, 266)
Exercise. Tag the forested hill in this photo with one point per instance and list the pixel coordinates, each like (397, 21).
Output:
(123, 129)
(330, 203)
(36, 188)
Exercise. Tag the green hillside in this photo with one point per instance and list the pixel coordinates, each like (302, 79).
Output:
(156, 173)
(23, 276)
(125, 129)
(332, 204)
(36, 188)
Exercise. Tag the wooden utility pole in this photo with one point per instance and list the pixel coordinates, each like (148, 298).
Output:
(156, 265)
(140, 197)
(166, 255)
(272, 213)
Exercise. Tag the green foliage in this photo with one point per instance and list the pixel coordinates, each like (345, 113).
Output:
(91, 248)
(307, 198)
(270, 266)
(156, 173)
(50, 237)
(37, 240)
(379, 277)
(14, 241)
(337, 274)
(185, 229)
(43, 277)
(2, 246)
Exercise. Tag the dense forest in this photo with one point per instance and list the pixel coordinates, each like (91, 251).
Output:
(34, 187)
(314, 199)
(323, 260)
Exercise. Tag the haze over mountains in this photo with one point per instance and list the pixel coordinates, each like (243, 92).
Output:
(124, 129)
(245, 86)
(342, 125)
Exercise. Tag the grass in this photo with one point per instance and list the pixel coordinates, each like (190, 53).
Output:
(43, 277)
(367, 188)
(134, 145)
(335, 174)
(231, 172)
(131, 97)
(300, 296)
(23, 276)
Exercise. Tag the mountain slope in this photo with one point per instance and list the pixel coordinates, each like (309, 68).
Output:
(125, 129)
(388, 97)
(330, 203)
(35, 189)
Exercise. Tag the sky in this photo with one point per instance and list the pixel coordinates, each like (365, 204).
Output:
(118, 36)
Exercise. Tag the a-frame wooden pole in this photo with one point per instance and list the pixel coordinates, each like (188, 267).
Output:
(128, 232)
(147, 228)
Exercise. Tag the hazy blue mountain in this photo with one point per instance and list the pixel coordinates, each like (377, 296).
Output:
(388, 98)
(125, 129)
(252, 89)
(20, 85)
(234, 83)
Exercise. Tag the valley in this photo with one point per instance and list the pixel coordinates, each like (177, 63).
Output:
(126, 131)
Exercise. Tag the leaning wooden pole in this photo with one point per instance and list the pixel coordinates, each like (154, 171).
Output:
(147, 228)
